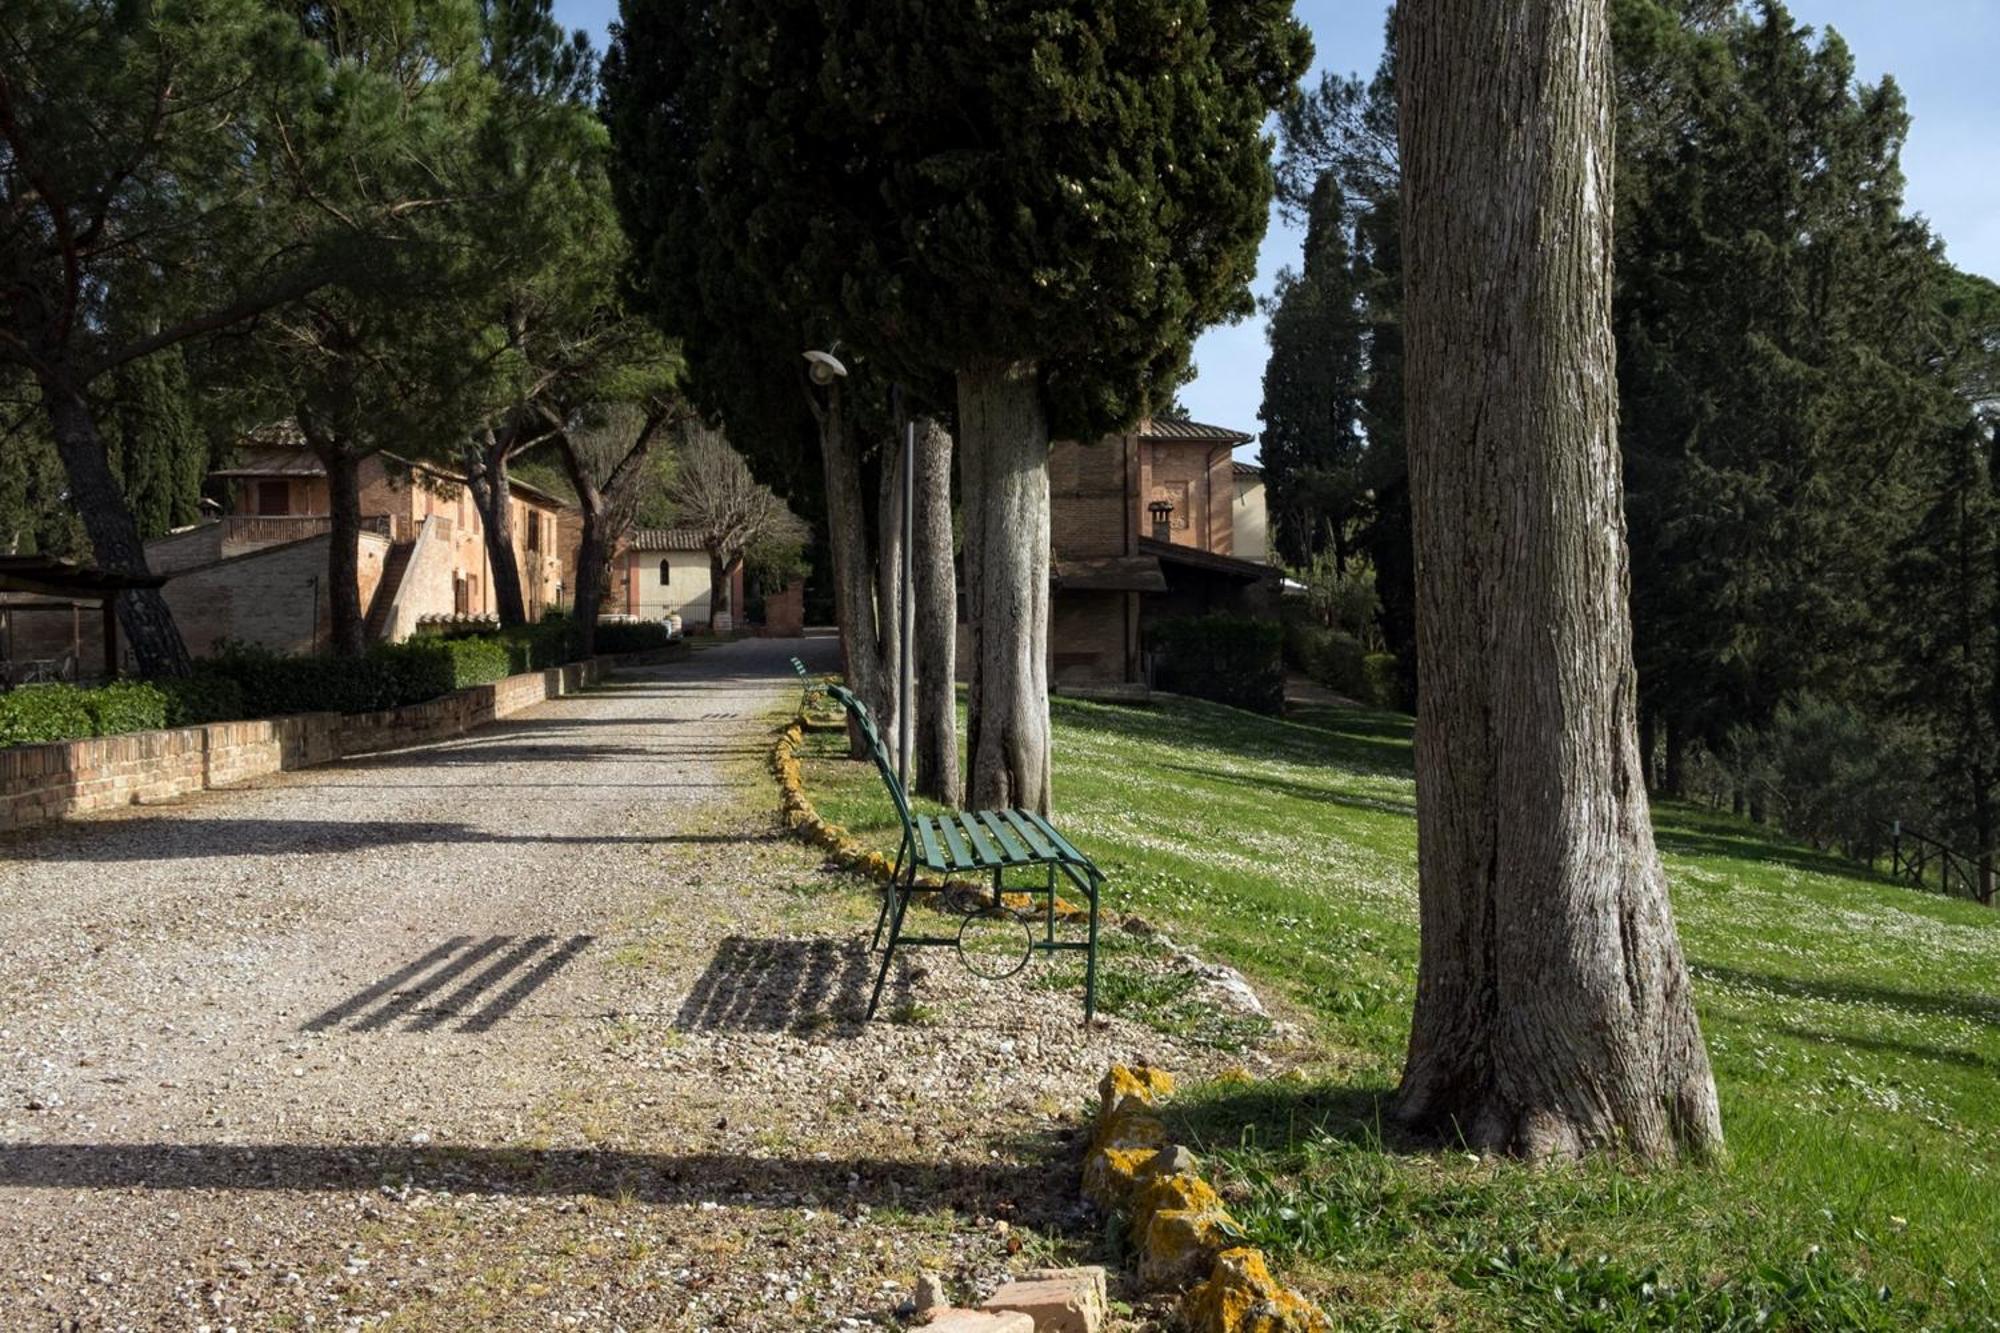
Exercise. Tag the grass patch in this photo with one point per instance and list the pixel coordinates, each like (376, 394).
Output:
(1854, 1027)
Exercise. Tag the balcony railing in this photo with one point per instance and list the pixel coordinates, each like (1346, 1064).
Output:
(275, 529)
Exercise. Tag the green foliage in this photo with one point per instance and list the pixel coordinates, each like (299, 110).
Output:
(158, 452)
(125, 705)
(1827, 775)
(1079, 186)
(632, 636)
(1312, 444)
(34, 714)
(202, 697)
(387, 676)
(1229, 659)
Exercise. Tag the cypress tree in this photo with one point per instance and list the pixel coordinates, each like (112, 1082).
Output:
(1311, 444)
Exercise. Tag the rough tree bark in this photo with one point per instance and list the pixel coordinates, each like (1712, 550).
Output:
(889, 590)
(718, 589)
(1554, 1013)
(114, 536)
(343, 561)
(936, 705)
(491, 493)
(853, 567)
(1004, 465)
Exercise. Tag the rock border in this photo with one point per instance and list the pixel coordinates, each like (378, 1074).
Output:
(1183, 1235)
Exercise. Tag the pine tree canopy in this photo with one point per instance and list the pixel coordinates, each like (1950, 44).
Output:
(1079, 186)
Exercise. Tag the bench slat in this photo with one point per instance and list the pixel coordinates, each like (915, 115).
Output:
(1031, 835)
(1017, 851)
(927, 831)
(1062, 844)
(961, 854)
(989, 855)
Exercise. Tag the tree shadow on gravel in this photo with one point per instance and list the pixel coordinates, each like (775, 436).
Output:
(181, 839)
(788, 985)
(1032, 1189)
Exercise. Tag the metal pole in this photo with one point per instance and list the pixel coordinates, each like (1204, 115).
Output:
(906, 710)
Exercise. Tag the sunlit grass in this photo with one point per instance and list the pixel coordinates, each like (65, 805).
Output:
(1854, 1026)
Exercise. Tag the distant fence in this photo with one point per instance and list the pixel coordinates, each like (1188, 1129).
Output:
(1925, 863)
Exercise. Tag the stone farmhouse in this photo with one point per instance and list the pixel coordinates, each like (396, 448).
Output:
(256, 573)
(1157, 523)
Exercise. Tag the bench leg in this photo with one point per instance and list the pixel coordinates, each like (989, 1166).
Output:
(902, 899)
(1090, 961)
(882, 917)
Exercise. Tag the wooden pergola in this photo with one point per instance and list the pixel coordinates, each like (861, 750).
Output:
(70, 586)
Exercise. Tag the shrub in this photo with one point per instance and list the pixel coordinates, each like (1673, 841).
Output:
(273, 685)
(1228, 659)
(202, 697)
(1383, 675)
(632, 636)
(36, 714)
(125, 705)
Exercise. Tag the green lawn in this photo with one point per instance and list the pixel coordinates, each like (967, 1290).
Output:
(1854, 1026)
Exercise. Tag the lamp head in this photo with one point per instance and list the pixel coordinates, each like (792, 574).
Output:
(824, 367)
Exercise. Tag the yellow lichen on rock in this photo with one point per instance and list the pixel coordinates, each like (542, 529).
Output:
(1241, 1296)
(1142, 1082)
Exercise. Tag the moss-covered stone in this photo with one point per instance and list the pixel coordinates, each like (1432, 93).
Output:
(1241, 1296)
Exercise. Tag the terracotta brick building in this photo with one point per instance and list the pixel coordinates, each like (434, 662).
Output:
(1145, 527)
(257, 572)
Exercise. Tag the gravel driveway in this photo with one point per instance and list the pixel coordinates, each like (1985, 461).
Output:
(546, 1026)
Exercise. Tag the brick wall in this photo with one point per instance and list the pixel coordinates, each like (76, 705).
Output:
(44, 782)
(1087, 638)
(265, 597)
(785, 612)
(1088, 486)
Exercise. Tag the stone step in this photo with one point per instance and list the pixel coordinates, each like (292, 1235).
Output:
(1057, 1300)
(950, 1319)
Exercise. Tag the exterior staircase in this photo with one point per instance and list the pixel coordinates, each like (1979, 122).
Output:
(393, 566)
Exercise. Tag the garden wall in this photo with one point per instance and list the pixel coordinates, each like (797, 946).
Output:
(44, 782)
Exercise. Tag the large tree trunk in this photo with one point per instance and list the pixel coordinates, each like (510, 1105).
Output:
(343, 560)
(889, 592)
(494, 497)
(1554, 1013)
(718, 591)
(936, 706)
(1004, 464)
(592, 548)
(853, 567)
(114, 535)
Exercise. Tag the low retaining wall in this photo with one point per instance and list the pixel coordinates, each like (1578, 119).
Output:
(39, 783)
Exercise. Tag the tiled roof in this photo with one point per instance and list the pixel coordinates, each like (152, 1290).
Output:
(1180, 428)
(273, 460)
(1243, 469)
(666, 539)
(278, 449)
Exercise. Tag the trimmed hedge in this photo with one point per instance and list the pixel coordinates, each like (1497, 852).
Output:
(200, 698)
(387, 676)
(1228, 659)
(632, 636)
(242, 681)
(37, 714)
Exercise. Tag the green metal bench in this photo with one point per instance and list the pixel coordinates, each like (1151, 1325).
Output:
(812, 686)
(978, 843)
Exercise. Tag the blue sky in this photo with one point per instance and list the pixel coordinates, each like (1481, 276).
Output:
(1940, 51)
